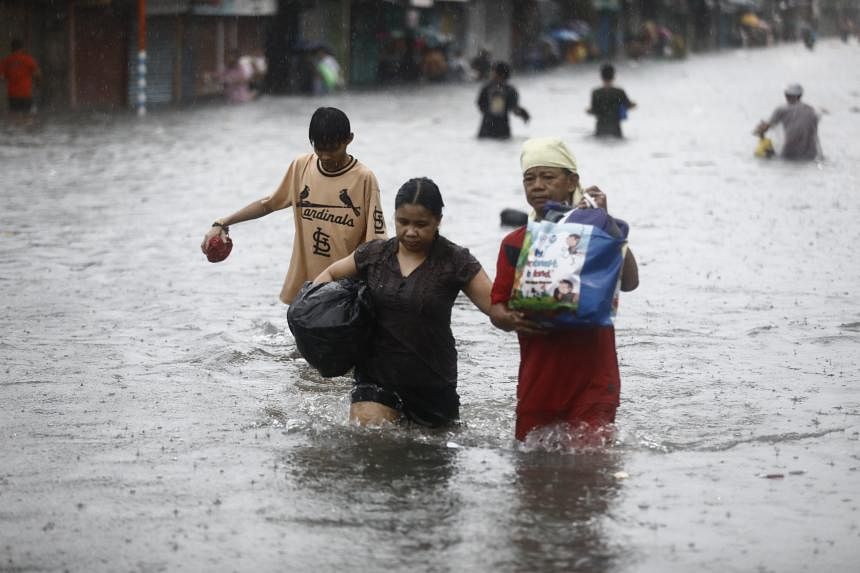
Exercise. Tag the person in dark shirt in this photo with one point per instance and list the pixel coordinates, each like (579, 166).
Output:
(410, 372)
(609, 104)
(496, 100)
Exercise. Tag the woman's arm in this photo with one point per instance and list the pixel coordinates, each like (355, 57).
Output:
(629, 272)
(478, 291)
(338, 270)
(506, 319)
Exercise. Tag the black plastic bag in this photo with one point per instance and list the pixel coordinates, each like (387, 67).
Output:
(332, 324)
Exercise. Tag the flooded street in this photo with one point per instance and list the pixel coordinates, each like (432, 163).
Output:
(155, 415)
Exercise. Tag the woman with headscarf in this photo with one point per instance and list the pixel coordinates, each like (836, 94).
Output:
(569, 376)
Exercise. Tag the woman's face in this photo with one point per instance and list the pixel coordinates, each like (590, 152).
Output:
(416, 227)
(544, 184)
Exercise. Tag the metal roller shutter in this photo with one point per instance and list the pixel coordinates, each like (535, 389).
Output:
(161, 45)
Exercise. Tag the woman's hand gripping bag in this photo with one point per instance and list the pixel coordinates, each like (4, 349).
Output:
(569, 271)
(332, 324)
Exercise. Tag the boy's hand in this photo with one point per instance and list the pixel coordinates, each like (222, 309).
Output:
(213, 232)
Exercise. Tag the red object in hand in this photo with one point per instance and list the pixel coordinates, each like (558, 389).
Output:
(218, 248)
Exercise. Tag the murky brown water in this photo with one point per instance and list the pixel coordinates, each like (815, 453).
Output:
(154, 414)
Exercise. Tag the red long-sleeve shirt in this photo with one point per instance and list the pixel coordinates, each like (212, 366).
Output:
(566, 375)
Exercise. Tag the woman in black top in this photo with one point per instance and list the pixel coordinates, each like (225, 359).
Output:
(415, 277)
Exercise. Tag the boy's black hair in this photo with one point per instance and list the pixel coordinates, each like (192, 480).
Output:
(420, 191)
(607, 72)
(502, 69)
(329, 127)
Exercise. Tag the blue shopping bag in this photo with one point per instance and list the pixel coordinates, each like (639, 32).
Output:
(568, 273)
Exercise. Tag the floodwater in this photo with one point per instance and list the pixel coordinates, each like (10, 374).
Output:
(155, 415)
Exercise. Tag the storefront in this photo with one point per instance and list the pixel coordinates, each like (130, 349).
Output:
(187, 42)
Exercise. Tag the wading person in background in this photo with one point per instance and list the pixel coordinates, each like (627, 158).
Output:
(569, 376)
(19, 69)
(800, 124)
(329, 77)
(415, 277)
(256, 67)
(335, 200)
(236, 79)
(481, 65)
(496, 100)
(609, 104)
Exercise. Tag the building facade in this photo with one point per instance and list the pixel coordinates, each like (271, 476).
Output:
(88, 49)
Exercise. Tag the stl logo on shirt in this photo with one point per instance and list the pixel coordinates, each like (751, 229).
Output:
(322, 246)
(378, 221)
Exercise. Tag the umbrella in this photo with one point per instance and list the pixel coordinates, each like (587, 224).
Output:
(565, 35)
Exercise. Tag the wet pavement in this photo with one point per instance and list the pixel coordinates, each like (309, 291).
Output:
(155, 416)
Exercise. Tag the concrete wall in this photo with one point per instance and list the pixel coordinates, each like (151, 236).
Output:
(489, 26)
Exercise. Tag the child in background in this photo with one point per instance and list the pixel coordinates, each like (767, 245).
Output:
(609, 104)
(496, 100)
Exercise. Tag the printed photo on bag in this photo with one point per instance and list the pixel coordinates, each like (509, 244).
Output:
(568, 274)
